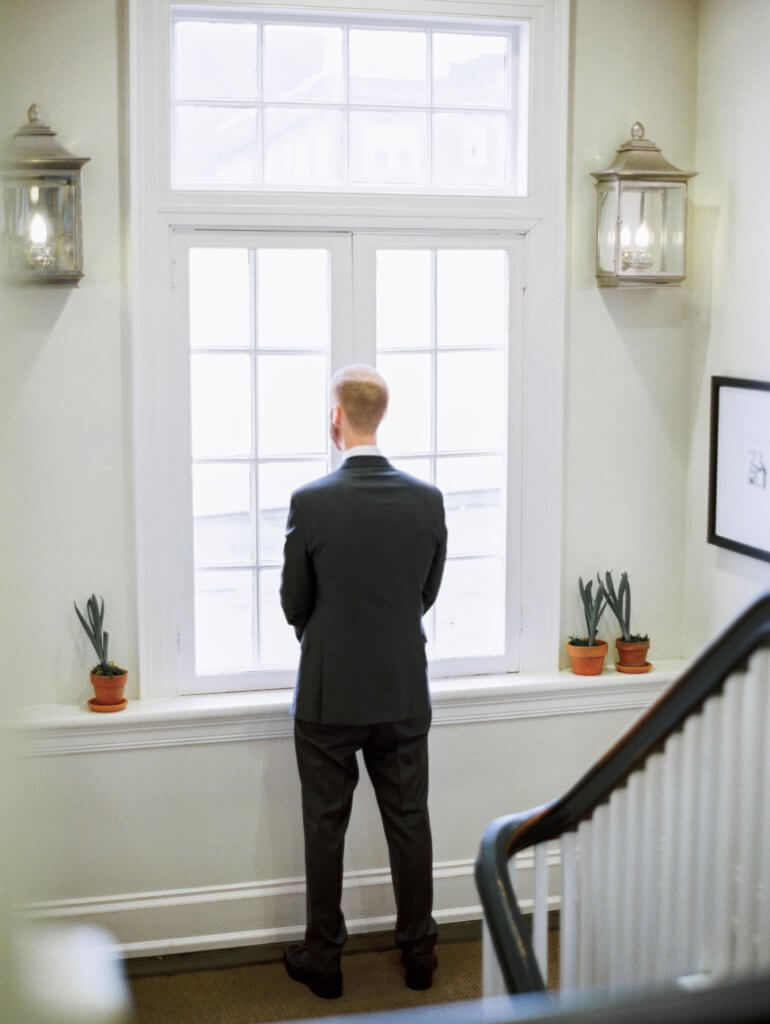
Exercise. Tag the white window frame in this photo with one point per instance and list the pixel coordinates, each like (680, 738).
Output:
(359, 17)
(158, 216)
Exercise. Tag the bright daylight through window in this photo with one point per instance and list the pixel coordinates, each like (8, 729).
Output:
(260, 364)
(348, 103)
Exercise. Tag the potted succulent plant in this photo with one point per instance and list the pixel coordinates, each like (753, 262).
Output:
(632, 647)
(107, 678)
(586, 653)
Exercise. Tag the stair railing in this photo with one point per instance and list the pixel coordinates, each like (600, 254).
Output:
(664, 844)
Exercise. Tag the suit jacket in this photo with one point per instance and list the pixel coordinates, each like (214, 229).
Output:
(364, 554)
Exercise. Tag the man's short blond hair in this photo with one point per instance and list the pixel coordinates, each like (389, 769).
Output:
(363, 395)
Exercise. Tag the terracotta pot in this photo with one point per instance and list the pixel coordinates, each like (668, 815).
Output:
(109, 691)
(632, 653)
(587, 661)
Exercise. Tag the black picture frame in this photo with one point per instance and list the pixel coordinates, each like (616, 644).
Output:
(739, 466)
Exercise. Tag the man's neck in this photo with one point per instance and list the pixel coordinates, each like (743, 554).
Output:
(357, 441)
(360, 449)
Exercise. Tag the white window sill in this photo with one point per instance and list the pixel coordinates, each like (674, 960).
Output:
(50, 729)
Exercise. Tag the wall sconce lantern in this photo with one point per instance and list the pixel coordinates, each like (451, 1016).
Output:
(641, 217)
(41, 207)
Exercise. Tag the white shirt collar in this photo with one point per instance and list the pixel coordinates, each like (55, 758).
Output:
(361, 449)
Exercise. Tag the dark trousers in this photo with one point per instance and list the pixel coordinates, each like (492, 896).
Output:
(396, 758)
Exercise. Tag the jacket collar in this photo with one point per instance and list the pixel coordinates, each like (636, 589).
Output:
(365, 462)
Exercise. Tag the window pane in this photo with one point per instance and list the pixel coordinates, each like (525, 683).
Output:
(304, 146)
(216, 61)
(224, 621)
(388, 147)
(473, 499)
(470, 149)
(415, 467)
(222, 514)
(278, 646)
(472, 305)
(469, 71)
(277, 480)
(407, 424)
(221, 405)
(404, 298)
(304, 62)
(220, 298)
(216, 144)
(470, 610)
(292, 408)
(293, 309)
(388, 67)
(471, 397)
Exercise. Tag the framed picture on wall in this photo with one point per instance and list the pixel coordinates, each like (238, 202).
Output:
(739, 481)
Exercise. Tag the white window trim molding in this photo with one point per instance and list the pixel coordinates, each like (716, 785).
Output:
(60, 729)
(156, 212)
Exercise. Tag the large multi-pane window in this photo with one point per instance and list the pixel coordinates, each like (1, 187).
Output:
(296, 100)
(265, 321)
(268, 101)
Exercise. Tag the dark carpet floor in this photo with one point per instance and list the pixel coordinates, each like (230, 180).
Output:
(373, 981)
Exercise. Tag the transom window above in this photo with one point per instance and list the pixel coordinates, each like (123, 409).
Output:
(297, 100)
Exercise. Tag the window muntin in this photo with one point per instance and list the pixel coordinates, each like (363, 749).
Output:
(297, 100)
(258, 426)
(449, 422)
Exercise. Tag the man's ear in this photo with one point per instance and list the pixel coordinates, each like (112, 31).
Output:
(337, 415)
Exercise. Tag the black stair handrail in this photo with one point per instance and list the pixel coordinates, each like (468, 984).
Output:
(505, 836)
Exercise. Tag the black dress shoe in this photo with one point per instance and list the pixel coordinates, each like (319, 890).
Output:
(326, 984)
(419, 970)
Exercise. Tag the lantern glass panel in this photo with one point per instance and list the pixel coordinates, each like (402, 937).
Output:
(651, 230)
(607, 228)
(41, 227)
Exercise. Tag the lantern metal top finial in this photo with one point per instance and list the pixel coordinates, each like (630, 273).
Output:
(35, 124)
(34, 146)
(641, 158)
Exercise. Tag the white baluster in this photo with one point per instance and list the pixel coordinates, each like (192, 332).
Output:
(568, 916)
(540, 910)
(725, 818)
(705, 882)
(600, 898)
(683, 910)
(665, 952)
(648, 877)
(631, 862)
(585, 906)
(613, 897)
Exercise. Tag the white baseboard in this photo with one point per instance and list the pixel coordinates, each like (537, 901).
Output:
(258, 913)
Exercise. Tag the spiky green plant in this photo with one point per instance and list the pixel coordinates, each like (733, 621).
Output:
(620, 605)
(98, 636)
(593, 607)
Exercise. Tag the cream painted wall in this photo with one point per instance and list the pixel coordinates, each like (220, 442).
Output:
(65, 386)
(626, 350)
(730, 288)
(196, 846)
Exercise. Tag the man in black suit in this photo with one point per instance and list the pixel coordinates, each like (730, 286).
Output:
(363, 560)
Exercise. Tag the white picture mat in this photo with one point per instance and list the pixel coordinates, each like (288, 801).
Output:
(743, 467)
